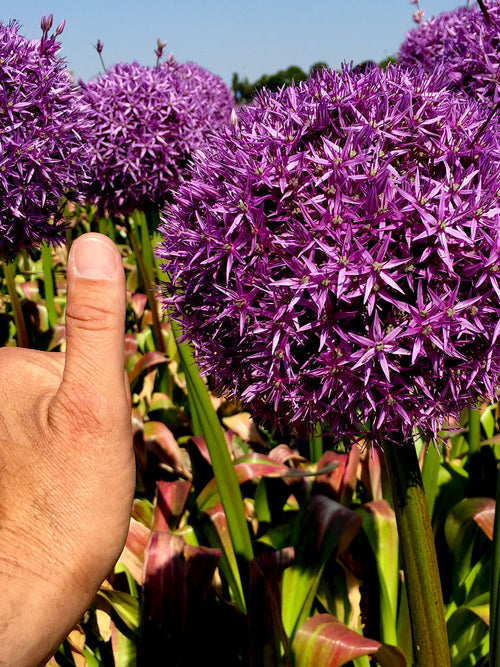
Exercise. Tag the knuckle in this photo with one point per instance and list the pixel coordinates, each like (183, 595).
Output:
(90, 315)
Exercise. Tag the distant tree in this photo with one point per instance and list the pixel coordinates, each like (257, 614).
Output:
(284, 77)
(384, 63)
(243, 90)
(317, 66)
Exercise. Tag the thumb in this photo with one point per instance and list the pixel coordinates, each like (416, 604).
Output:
(95, 317)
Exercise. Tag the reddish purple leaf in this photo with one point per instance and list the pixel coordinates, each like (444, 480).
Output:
(132, 555)
(170, 503)
(201, 564)
(160, 439)
(138, 302)
(485, 516)
(147, 362)
(165, 595)
(324, 640)
(334, 478)
(247, 468)
(283, 453)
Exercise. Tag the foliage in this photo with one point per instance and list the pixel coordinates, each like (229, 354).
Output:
(324, 574)
(254, 546)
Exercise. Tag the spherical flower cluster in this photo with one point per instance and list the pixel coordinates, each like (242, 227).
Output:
(146, 122)
(209, 99)
(335, 258)
(43, 154)
(465, 42)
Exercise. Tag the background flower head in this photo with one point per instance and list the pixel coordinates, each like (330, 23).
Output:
(43, 154)
(464, 42)
(147, 120)
(335, 258)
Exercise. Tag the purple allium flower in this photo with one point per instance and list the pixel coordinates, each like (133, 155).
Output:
(147, 121)
(43, 154)
(465, 42)
(335, 257)
(210, 100)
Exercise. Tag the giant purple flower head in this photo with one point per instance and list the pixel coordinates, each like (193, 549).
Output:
(147, 120)
(336, 256)
(209, 99)
(464, 42)
(43, 154)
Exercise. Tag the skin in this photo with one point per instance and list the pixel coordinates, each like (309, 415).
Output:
(67, 470)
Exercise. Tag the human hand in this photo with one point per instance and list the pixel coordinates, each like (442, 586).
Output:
(67, 470)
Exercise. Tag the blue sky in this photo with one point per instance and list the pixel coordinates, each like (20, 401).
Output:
(250, 37)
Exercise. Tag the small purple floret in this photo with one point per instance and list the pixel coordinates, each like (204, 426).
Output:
(335, 257)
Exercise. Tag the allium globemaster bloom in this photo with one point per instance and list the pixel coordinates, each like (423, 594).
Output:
(146, 120)
(464, 42)
(335, 258)
(209, 99)
(43, 154)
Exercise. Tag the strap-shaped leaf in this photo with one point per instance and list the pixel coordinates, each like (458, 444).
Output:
(324, 640)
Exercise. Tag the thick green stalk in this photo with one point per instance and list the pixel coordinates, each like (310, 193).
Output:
(316, 445)
(48, 281)
(423, 584)
(474, 437)
(495, 587)
(17, 311)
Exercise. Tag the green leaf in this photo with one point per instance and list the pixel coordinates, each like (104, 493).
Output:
(324, 527)
(461, 532)
(227, 481)
(214, 522)
(467, 627)
(124, 648)
(323, 640)
(125, 605)
(379, 526)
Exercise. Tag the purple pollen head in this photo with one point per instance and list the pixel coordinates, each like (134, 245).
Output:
(147, 121)
(43, 153)
(334, 257)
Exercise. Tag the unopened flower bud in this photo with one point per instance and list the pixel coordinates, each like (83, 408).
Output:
(60, 27)
(46, 23)
(418, 15)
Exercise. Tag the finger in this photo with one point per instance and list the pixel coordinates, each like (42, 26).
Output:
(95, 317)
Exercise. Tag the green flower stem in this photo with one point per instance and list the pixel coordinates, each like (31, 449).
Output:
(48, 281)
(495, 587)
(423, 584)
(316, 445)
(21, 332)
(474, 430)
